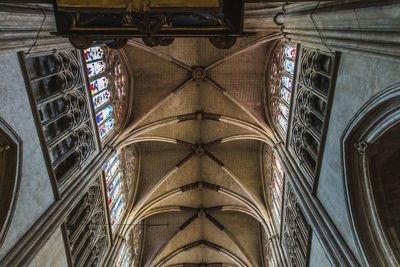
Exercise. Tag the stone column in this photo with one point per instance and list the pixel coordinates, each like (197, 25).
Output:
(22, 29)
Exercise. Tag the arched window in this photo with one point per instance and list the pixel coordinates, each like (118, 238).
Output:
(124, 256)
(296, 231)
(280, 84)
(61, 110)
(10, 159)
(86, 229)
(277, 183)
(371, 152)
(116, 198)
(108, 86)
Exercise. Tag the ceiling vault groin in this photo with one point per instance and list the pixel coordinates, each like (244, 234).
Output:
(202, 243)
(201, 192)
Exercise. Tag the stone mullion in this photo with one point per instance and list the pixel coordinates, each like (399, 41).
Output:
(77, 232)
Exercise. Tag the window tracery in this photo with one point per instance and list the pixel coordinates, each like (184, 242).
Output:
(296, 231)
(129, 252)
(277, 183)
(108, 86)
(86, 229)
(56, 86)
(115, 196)
(316, 71)
(280, 84)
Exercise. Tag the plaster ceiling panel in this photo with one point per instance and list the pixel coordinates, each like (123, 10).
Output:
(213, 130)
(153, 78)
(212, 173)
(184, 101)
(213, 101)
(243, 159)
(210, 198)
(157, 160)
(192, 198)
(201, 255)
(187, 174)
(245, 229)
(199, 51)
(188, 131)
(243, 77)
(160, 229)
(200, 229)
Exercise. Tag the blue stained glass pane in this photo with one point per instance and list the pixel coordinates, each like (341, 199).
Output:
(103, 114)
(114, 183)
(116, 212)
(111, 161)
(278, 180)
(114, 195)
(286, 95)
(289, 66)
(95, 68)
(287, 82)
(282, 122)
(101, 99)
(278, 191)
(110, 173)
(121, 255)
(93, 53)
(106, 127)
(98, 85)
(290, 52)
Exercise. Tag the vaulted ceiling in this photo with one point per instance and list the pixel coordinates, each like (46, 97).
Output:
(198, 120)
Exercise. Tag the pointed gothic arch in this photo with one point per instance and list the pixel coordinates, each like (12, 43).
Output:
(10, 172)
(370, 153)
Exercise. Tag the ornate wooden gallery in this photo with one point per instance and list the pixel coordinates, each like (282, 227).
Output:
(157, 22)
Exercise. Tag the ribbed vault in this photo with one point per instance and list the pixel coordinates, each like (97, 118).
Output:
(199, 123)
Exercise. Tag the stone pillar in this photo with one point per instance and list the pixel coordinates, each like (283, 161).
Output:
(22, 29)
(367, 26)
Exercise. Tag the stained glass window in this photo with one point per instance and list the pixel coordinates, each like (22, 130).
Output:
(121, 255)
(114, 194)
(284, 110)
(114, 183)
(101, 99)
(110, 173)
(116, 212)
(286, 95)
(98, 85)
(278, 166)
(289, 66)
(277, 188)
(281, 84)
(290, 52)
(93, 53)
(95, 68)
(106, 127)
(111, 162)
(104, 114)
(283, 123)
(287, 82)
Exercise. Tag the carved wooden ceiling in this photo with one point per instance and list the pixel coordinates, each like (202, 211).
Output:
(198, 119)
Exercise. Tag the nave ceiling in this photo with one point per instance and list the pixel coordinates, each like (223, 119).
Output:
(200, 136)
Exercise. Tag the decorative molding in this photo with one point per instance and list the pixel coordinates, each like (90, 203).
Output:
(10, 175)
(370, 123)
